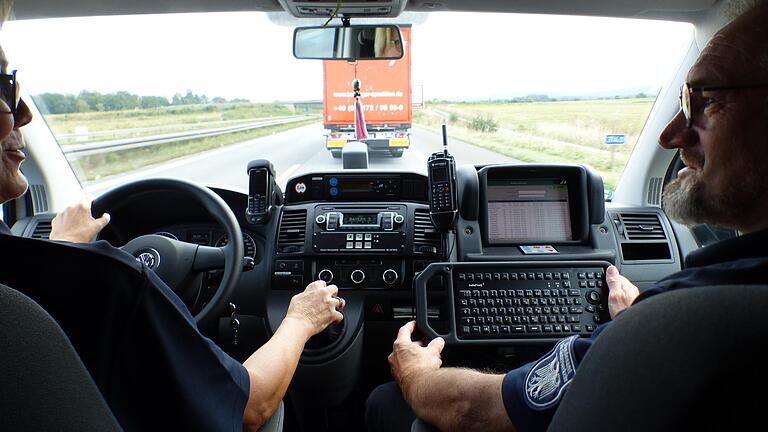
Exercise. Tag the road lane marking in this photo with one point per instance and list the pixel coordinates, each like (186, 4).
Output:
(283, 178)
(100, 186)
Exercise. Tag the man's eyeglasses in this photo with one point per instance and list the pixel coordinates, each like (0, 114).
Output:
(686, 96)
(9, 87)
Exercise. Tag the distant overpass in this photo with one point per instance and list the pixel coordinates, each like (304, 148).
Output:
(303, 107)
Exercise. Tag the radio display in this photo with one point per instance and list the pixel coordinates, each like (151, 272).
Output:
(360, 219)
(355, 185)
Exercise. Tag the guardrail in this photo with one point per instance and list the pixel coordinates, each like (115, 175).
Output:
(80, 150)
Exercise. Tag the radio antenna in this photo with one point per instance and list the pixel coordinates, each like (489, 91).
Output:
(445, 139)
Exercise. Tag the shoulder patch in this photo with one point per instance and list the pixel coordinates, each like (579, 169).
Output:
(548, 378)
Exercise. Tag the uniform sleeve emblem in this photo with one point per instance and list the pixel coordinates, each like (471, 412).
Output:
(548, 378)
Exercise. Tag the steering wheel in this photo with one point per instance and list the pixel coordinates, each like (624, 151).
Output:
(177, 262)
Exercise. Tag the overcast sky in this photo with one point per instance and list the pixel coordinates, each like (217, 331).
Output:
(245, 55)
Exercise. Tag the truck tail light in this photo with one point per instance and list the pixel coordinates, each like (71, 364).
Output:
(400, 135)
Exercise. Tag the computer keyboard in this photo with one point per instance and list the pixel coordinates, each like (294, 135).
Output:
(499, 302)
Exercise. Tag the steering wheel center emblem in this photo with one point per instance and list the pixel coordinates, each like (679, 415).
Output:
(150, 257)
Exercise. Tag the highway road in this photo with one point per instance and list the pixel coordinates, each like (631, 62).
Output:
(293, 153)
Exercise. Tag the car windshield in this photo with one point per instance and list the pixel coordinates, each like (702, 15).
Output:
(197, 96)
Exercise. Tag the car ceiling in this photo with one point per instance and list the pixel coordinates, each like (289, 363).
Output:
(685, 10)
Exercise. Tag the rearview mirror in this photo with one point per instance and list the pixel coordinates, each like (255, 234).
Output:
(360, 42)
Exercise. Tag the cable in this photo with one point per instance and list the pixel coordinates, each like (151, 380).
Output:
(335, 12)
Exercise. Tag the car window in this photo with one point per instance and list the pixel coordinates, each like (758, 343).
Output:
(196, 96)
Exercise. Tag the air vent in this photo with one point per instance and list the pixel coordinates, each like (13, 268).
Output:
(654, 191)
(641, 236)
(293, 224)
(426, 239)
(39, 198)
(42, 230)
(642, 226)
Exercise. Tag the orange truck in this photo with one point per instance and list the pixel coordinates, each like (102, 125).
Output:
(386, 95)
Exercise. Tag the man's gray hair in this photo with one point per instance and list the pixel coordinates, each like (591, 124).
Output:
(736, 8)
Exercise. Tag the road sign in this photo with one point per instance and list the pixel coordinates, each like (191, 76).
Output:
(615, 139)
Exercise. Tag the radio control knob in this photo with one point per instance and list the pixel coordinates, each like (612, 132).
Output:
(320, 219)
(357, 276)
(390, 276)
(325, 275)
(399, 219)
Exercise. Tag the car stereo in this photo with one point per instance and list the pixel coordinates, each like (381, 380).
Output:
(359, 229)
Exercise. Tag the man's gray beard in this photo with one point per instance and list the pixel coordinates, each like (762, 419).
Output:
(690, 203)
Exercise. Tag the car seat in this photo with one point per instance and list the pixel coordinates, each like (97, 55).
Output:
(690, 359)
(43, 383)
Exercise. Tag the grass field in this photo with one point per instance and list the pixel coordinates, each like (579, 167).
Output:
(550, 132)
(147, 122)
(107, 164)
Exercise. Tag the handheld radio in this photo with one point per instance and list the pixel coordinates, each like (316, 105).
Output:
(443, 205)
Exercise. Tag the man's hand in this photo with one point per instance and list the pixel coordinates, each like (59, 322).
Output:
(317, 307)
(621, 292)
(76, 224)
(410, 360)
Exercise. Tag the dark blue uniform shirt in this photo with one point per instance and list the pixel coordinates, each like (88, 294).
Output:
(135, 336)
(532, 392)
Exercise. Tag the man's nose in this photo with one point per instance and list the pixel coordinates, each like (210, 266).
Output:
(23, 115)
(676, 134)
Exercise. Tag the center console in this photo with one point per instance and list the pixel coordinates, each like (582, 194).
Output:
(357, 231)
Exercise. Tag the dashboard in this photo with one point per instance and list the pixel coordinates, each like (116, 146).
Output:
(522, 265)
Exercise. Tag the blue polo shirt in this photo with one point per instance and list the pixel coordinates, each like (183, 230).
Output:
(532, 393)
(135, 336)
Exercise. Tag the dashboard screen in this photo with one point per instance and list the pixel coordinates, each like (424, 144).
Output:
(361, 219)
(528, 210)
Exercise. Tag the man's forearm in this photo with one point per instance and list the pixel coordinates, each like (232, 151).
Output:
(458, 399)
(271, 368)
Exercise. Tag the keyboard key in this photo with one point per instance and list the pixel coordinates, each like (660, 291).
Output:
(465, 329)
(566, 284)
(589, 327)
(521, 276)
(465, 293)
(576, 328)
(476, 293)
(462, 276)
(582, 284)
(505, 329)
(537, 293)
(533, 329)
(575, 310)
(531, 276)
(589, 308)
(574, 293)
(494, 293)
(591, 284)
(552, 319)
(547, 276)
(517, 329)
(505, 276)
(566, 328)
(566, 276)
(486, 329)
(488, 276)
(581, 275)
(535, 319)
(496, 276)
(547, 328)
(557, 328)
(572, 319)
(556, 276)
(495, 329)
(546, 293)
(539, 276)
(520, 293)
(475, 329)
